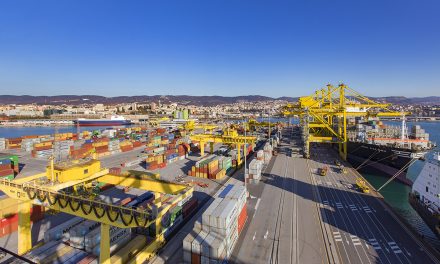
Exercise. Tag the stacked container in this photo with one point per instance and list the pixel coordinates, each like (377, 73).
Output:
(211, 167)
(267, 153)
(254, 172)
(9, 166)
(2, 143)
(214, 235)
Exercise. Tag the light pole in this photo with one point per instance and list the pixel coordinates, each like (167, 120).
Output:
(245, 152)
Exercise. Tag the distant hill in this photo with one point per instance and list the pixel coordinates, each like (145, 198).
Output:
(181, 99)
(95, 99)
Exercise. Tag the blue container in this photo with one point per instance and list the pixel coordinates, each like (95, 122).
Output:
(5, 161)
(141, 198)
(89, 141)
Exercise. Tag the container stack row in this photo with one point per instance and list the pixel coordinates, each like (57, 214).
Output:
(2, 143)
(9, 166)
(268, 151)
(215, 234)
(211, 167)
(255, 169)
(9, 216)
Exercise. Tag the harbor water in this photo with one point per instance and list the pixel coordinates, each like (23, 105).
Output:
(396, 193)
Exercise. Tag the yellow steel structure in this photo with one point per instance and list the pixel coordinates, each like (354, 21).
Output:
(40, 190)
(191, 125)
(230, 136)
(323, 115)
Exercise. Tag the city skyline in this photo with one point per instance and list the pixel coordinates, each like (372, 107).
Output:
(227, 49)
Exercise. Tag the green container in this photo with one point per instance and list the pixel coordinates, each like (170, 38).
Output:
(8, 177)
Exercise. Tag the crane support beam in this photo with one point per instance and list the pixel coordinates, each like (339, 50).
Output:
(143, 184)
(89, 179)
(104, 250)
(24, 227)
(30, 178)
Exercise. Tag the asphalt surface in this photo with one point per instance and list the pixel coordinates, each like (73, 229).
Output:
(363, 229)
(298, 216)
(283, 224)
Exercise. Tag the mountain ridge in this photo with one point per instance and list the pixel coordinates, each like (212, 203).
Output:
(181, 99)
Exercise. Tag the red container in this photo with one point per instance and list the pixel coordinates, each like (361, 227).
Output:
(6, 172)
(5, 166)
(115, 170)
(8, 225)
(37, 213)
(195, 258)
(106, 187)
(189, 207)
(125, 201)
(242, 217)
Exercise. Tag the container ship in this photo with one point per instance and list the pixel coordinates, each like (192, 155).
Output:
(424, 197)
(112, 121)
(385, 149)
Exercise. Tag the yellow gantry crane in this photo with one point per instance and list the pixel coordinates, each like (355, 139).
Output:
(323, 115)
(230, 136)
(191, 125)
(47, 189)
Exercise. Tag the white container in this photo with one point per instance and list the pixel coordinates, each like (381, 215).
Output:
(197, 243)
(58, 231)
(212, 207)
(117, 241)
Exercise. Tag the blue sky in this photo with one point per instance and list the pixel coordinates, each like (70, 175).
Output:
(229, 47)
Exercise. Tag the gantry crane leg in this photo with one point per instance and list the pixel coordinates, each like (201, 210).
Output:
(239, 154)
(104, 250)
(211, 144)
(202, 148)
(24, 227)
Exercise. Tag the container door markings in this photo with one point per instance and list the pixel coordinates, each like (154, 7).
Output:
(353, 207)
(339, 205)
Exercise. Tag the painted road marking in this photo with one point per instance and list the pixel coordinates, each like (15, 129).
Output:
(355, 240)
(258, 203)
(394, 247)
(267, 233)
(353, 207)
(367, 209)
(337, 236)
(253, 238)
(373, 242)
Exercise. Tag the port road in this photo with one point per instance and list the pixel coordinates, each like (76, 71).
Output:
(298, 216)
(284, 224)
(363, 229)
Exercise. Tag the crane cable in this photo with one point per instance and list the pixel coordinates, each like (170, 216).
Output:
(369, 158)
(398, 173)
(377, 161)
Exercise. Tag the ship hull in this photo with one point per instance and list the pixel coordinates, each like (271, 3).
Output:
(103, 123)
(429, 218)
(382, 160)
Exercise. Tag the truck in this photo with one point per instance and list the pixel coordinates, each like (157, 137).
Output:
(323, 171)
(362, 185)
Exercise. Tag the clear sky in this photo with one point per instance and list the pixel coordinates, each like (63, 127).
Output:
(224, 47)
